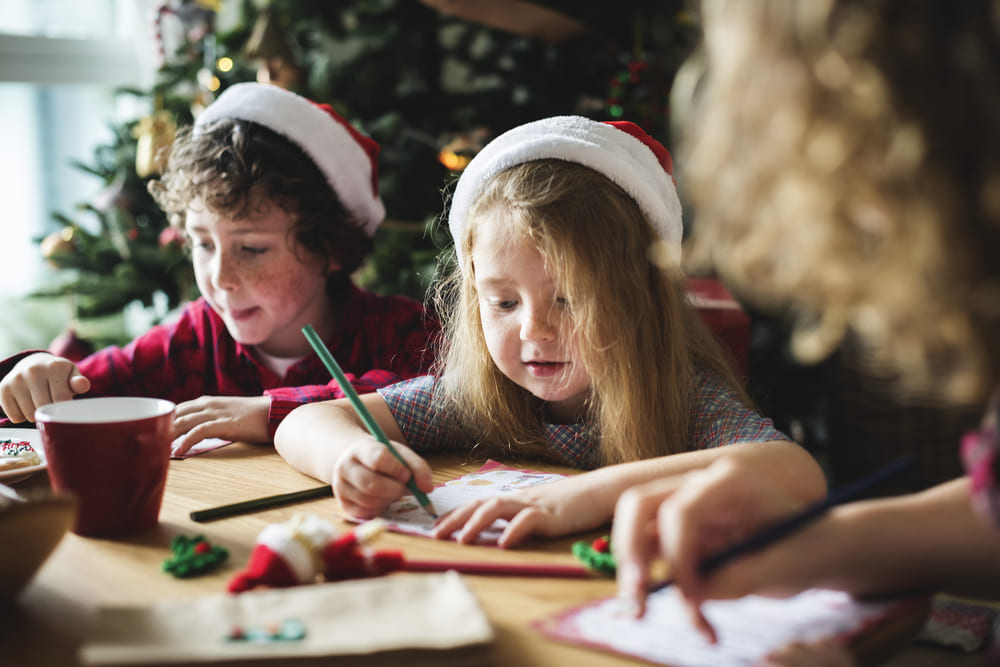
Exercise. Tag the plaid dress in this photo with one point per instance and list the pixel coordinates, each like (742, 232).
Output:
(719, 419)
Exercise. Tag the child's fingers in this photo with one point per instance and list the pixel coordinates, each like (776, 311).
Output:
(365, 485)
(192, 435)
(483, 517)
(419, 467)
(484, 514)
(700, 622)
(454, 520)
(634, 538)
(529, 521)
(375, 456)
(79, 384)
(12, 398)
(12, 408)
(358, 504)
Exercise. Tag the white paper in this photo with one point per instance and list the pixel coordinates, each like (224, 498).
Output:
(206, 445)
(748, 628)
(407, 516)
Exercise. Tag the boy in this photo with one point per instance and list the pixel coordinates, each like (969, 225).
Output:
(278, 200)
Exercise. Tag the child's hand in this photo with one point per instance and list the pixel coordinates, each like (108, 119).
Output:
(37, 380)
(367, 477)
(241, 418)
(710, 510)
(551, 510)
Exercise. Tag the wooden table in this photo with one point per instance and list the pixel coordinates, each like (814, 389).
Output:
(56, 612)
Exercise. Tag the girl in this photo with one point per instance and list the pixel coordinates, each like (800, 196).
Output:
(879, 198)
(278, 200)
(569, 339)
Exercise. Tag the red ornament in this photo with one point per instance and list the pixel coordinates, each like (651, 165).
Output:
(171, 236)
(69, 346)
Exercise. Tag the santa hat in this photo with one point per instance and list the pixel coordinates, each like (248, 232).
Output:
(348, 159)
(307, 549)
(619, 150)
(286, 554)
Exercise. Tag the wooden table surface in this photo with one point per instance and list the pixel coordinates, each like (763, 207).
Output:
(57, 610)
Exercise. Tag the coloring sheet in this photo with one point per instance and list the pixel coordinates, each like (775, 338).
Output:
(493, 479)
(748, 628)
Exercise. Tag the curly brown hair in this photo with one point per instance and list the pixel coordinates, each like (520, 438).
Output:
(235, 165)
(842, 157)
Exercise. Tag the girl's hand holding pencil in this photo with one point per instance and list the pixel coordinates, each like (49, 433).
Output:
(363, 477)
(368, 478)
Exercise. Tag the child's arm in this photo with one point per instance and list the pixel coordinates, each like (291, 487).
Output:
(36, 380)
(587, 501)
(930, 540)
(329, 442)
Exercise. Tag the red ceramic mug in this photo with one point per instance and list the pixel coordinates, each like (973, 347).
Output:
(112, 454)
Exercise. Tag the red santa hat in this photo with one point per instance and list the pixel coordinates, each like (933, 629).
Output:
(348, 159)
(620, 150)
(308, 549)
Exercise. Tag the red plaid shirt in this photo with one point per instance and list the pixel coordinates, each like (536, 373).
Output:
(387, 339)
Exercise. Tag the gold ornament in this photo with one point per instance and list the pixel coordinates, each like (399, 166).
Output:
(213, 5)
(155, 133)
(268, 46)
(58, 244)
(460, 149)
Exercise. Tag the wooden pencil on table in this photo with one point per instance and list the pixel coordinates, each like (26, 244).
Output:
(246, 506)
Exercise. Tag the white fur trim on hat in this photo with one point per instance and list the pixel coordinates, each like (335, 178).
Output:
(623, 158)
(348, 167)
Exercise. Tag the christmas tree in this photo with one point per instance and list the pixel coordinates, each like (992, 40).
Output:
(429, 87)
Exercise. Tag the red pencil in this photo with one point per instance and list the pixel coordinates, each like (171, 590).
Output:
(499, 569)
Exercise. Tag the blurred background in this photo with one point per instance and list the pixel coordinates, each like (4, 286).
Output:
(91, 90)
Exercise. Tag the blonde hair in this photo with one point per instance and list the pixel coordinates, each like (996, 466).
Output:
(641, 341)
(844, 161)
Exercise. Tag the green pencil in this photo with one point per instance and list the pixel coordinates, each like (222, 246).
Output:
(359, 407)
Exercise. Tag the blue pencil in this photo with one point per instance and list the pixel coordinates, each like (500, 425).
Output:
(771, 534)
(331, 365)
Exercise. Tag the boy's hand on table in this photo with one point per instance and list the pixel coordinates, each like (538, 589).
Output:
(242, 418)
(37, 380)
(367, 478)
(555, 509)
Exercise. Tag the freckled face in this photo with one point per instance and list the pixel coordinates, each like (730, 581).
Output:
(250, 274)
(526, 323)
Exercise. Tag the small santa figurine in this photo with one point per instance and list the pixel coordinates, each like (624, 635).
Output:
(308, 549)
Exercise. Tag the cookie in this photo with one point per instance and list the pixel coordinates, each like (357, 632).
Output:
(17, 454)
